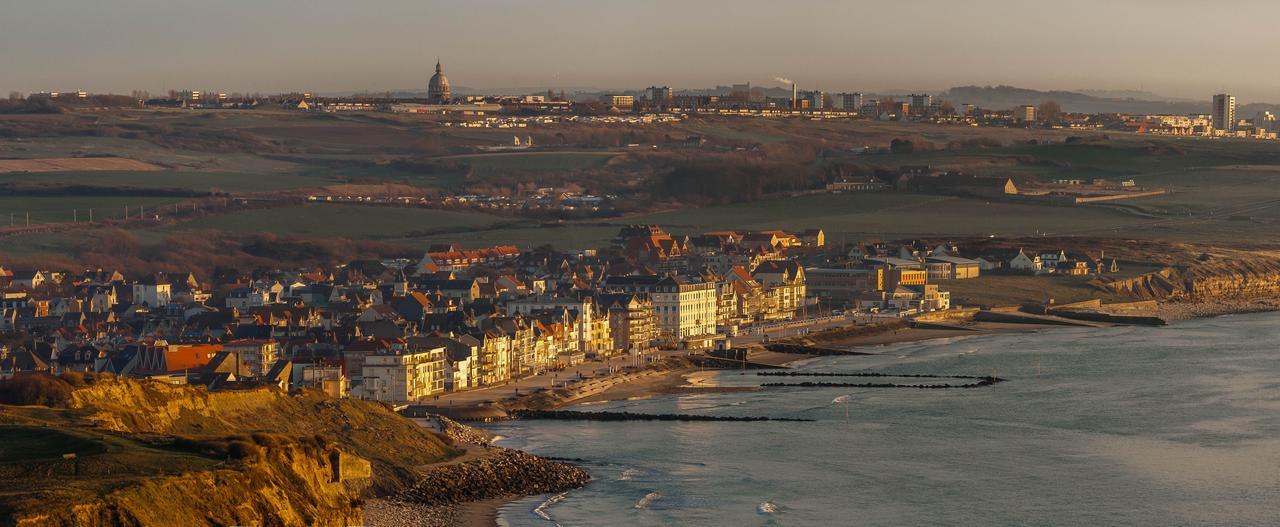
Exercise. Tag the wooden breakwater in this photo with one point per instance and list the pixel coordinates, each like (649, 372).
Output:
(1028, 318)
(731, 359)
(569, 415)
(802, 349)
(1094, 316)
(983, 381)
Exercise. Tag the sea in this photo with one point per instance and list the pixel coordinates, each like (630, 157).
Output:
(1159, 426)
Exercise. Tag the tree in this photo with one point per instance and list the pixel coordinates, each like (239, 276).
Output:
(1049, 111)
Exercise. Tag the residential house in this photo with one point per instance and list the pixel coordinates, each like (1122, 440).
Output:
(153, 291)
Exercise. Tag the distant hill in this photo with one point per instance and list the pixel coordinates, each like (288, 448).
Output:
(1140, 95)
(1002, 97)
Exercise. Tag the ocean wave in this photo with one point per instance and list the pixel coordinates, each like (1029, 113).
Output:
(541, 509)
(647, 500)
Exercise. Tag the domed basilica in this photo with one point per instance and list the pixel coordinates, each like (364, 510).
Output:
(438, 87)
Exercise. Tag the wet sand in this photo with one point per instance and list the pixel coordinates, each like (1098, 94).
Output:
(480, 513)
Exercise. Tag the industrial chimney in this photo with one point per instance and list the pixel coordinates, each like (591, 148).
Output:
(795, 101)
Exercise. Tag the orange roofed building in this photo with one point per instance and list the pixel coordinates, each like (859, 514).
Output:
(162, 357)
(453, 257)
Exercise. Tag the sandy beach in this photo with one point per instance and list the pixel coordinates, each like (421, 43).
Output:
(695, 380)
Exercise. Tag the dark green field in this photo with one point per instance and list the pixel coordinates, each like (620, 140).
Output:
(44, 209)
(345, 221)
(1219, 190)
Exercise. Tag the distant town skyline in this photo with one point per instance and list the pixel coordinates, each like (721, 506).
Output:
(931, 45)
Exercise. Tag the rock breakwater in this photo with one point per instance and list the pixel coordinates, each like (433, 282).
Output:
(501, 473)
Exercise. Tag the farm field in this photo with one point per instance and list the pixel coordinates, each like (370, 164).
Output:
(483, 165)
(236, 182)
(65, 209)
(348, 221)
(65, 164)
(1219, 191)
(890, 214)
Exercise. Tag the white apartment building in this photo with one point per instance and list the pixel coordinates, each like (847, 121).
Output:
(402, 378)
(683, 308)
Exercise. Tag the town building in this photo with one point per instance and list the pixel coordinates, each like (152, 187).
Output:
(438, 87)
(685, 309)
(1224, 112)
(403, 377)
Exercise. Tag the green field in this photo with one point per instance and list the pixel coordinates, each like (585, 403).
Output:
(57, 209)
(483, 165)
(236, 182)
(344, 221)
(526, 235)
(889, 215)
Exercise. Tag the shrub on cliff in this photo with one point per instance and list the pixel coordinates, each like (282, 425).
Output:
(37, 389)
(244, 450)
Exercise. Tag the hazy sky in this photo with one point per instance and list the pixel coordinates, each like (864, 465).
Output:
(1185, 48)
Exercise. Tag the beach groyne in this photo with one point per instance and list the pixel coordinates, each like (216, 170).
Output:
(802, 349)
(1008, 317)
(985, 381)
(568, 415)
(1108, 318)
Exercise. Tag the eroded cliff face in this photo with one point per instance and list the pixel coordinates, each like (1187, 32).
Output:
(152, 407)
(144, 453)
(1210, 280)
(283, 485)
(368, 429)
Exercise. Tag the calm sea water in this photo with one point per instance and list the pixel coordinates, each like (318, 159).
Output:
(1124, 426)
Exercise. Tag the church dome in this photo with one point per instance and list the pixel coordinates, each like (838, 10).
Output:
(438, 87)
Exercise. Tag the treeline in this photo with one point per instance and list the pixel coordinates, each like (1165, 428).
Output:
(202, 252)
(742, 175)
(43, 103)
(53, 189)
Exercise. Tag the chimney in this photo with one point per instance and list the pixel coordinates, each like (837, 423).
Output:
(795, 101)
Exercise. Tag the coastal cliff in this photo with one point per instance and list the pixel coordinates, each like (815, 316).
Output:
(283, 483)
(1202, 281)
(102, 450)
(392, 444)
(1207, 287)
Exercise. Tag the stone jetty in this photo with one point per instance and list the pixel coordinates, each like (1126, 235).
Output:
(502, 473)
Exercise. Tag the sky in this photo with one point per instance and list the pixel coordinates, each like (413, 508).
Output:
(1179, 48)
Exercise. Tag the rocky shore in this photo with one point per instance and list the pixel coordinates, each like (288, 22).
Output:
(460, 433)
(390, 513)
(1189, 310)
(503, 472)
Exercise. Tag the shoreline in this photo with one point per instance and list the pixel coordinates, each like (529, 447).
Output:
(688, 380)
